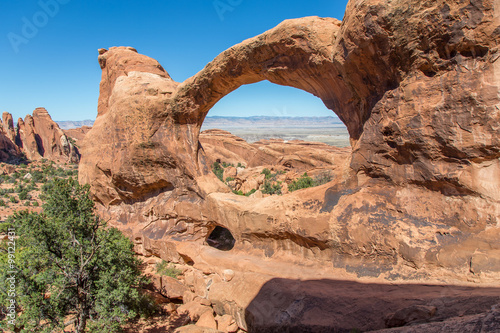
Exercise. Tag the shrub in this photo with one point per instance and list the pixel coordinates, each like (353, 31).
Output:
(168, 269)
(240, 165)
(19, 188)
(229, 179)
(267, 173)
(13, 199)
(2, 203)
(70, 263)
(303, 182)
(251, 192)
(270, 188)
(37, 176)
(23, 195)
(218, 170)
(323, 178)
(238, 192)
(35, 204)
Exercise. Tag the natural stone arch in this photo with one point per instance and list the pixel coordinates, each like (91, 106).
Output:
(300, 53)
(366, 69)
(416, 83)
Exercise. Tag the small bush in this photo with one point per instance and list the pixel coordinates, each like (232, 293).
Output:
(168, 269)
(13, 200)
(303, 182)
(240, 166)
(251, 192)
(23, 195)
(4, 227)
(323, 178)
(218, 170)
(2, 203)
(238, 192)
(229, 179)
(270, 188)
(35, 204)
(37, 176)
(19, 188)
(267, 173)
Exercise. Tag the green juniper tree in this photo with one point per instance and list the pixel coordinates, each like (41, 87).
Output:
(72, 268)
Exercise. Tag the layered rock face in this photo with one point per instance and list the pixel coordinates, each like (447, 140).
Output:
(417, 85)
(36, 136)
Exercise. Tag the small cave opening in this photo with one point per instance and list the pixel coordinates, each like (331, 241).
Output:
(221, 239)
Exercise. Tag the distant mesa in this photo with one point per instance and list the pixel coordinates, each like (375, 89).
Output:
(71, 124)
(34, 138)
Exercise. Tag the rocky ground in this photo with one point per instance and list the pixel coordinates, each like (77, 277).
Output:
(21, 184)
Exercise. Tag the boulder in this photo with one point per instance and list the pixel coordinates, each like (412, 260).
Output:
(172, 288)
(207, 320)
(227, 324)
(194, 310)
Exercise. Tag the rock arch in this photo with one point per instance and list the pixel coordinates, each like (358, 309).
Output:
(416, 83)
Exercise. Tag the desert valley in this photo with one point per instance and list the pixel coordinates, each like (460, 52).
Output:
(383, 218)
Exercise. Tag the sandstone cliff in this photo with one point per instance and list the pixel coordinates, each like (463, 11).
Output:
(417, 85)
(38, 137)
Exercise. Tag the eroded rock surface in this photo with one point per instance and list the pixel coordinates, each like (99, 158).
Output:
(36, 136)
(417, 85)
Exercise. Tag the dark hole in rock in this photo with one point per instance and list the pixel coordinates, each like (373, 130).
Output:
(221, 238)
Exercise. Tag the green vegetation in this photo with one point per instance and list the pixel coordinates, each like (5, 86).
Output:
(271, 188)
(271, 176)
(251, 192)
(218, 170)
(71, 267)
(305, 181)
(267, 173)
(166, 268)
(72, 141)
(23, 195)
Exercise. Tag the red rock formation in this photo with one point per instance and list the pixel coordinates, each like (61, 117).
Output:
(37, 136)
(28, 138)
(8, 126)
(77, 133)
(52, 142)
(415, 82)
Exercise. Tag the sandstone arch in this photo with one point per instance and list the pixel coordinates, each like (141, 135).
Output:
(415, 82)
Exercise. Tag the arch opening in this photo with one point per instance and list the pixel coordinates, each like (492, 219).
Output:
(266, 110)
(256, 155)
(221, 239)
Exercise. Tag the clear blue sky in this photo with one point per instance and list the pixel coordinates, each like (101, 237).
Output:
(48, 55)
